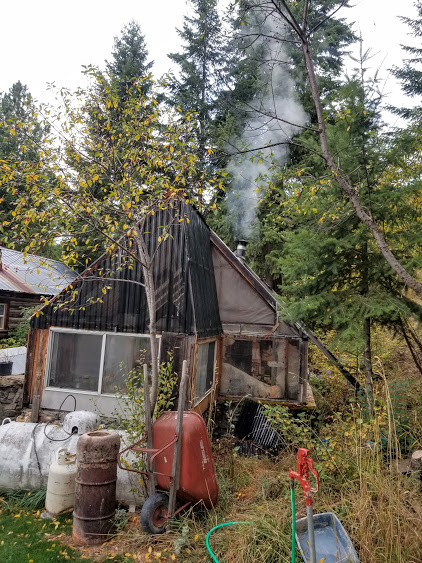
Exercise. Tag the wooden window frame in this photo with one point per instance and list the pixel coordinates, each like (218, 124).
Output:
(302, 374)
(204, 402)
(104, 334)
(3, 318)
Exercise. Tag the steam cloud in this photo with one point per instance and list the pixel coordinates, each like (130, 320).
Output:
(275, 117)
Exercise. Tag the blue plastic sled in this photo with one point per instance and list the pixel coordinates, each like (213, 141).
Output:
(332, 543)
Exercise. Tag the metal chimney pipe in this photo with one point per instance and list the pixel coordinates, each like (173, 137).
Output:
(241, 249)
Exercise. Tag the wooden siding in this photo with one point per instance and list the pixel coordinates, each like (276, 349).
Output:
(36, 361)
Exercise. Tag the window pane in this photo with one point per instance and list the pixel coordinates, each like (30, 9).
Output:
(204, 369)
(75, 361)
(265, 360)
(121, 354)
(2, 308)
(239, 355)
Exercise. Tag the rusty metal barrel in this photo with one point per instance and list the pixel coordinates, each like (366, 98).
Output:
(95, 494)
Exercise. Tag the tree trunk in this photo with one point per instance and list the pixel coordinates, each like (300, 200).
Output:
(152, 312)
(407, 337)
(344, 183)
(367, 360)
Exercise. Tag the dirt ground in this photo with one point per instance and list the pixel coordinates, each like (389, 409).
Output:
(131, 545)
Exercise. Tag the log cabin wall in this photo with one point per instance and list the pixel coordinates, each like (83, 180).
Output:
(15, 304)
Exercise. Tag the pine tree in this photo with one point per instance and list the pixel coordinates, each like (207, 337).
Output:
(127, 73)
(333, 274)
(259, 46)
(201, 63)
(409, 75)
(20, 133)
(255, 111)
(130, 57)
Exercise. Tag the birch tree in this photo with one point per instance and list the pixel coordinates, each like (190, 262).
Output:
(81, 185)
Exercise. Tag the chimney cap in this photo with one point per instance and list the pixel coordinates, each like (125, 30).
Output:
(240, 250)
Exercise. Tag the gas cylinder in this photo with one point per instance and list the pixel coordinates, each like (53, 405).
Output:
(61, 483)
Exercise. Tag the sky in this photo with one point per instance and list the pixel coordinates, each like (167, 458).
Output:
(49, 40)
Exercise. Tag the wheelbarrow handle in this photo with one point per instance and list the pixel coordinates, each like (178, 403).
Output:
(119, 455)
(154, 451)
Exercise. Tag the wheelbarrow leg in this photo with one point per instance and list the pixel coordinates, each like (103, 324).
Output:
(175, 480)
(152, 481)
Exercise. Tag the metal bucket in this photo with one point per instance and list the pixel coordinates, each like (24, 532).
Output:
(332, 543)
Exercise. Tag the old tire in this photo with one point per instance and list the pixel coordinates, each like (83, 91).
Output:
(154, 513)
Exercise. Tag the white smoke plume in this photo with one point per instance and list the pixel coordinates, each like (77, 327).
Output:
(276, 117)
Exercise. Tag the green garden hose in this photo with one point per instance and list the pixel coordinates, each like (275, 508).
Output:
(292, 491)
(207, 543)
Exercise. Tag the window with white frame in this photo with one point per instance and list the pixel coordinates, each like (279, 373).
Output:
(94, 362)
(2, 316)
(205, 369)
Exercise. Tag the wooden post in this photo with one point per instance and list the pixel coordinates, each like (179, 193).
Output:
(41, 358)
(175, 481)
(303, 366)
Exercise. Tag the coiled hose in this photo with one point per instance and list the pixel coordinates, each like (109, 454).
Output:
(207, 542)
(292, 490)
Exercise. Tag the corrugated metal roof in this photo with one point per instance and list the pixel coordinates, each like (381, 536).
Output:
(32, 274)
(185, 290)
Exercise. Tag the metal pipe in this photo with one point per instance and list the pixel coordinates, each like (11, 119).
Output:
(311, 533)
(241, 249)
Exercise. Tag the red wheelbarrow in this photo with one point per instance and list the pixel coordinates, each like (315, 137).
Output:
(179, 462)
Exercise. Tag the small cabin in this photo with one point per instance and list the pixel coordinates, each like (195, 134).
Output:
(212, 310)
(24, 279)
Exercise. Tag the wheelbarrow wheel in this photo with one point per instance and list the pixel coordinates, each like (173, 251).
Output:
(154, 513)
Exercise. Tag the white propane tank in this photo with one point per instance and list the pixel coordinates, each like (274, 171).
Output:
(27, 451)
(61, 484)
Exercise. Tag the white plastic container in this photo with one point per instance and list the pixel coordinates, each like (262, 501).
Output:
(27, 451)
(61, 484)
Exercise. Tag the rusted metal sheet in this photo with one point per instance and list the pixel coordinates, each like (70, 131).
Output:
(95, 494)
